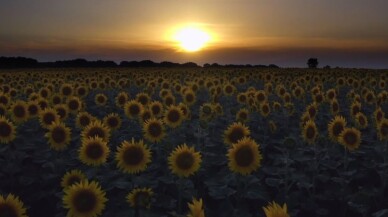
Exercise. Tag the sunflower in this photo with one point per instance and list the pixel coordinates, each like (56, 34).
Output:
(143, 98)
(140, 198)
(244, 156)
(19, 112)
(235, 132)
(196, 208)
(5, 99)
(121, 99)
(133, 157)
(156, 108)
(242, 98)
(84, 199)
(276, 106)
(189, 97)
(334, 107)
(100, 99)
(229, 89)
(185, 110)
(112, 121)
(310, 132)
(81, 91)
(66, 90)
(206, 112)
(11, 205)
(242, 115)
(74, 104)
(378, 115)
(153, 130)
(173, 116)
(361, 120)
(265, 109)
(47, 117)
(382, 130)
(350, 138)
(96, 128)
(184, 161)
(133, 109)
(58, 136)
(72, 177)
(355, 108)
(62, 111)
(275, 210)
(94, 151)
(7, 130)
(43, 103)
(335, 127)
(312, 110)
(169, 100)
(83, 119)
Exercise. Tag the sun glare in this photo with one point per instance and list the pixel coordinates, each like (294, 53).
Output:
(191, 39)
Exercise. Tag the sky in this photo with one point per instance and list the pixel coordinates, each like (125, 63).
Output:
(345, 33)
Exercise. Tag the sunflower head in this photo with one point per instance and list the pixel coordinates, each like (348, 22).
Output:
(244, 156)
(62, 111)
(275, 210)
(7, 130)
(66, 90)
(265, 109)
(378, 115)
(189, 97)
(235, 132)
(140, 198)
(94, 151)
(19, 112)
(334, 107)
(310, 132)
(184, 161)
(185, 110)
(83, 119)
(74, 104)
(242, 115)
(143, 98)
(72, 177)
(100, 99)
(173, 116)
(47, 117)
(112, 121)
(355, 108)
(58, 136)
(156, 108)
(12, 206)
(382, 130)
(169, 100)
(133, 157)
(335, 127)
(96, 129)
(229, 89)
(350, 138)
(153, 130)
(133, 109)
(196, 208)
(121, 99)
(242, 98)
(84, 199)
(361, 120)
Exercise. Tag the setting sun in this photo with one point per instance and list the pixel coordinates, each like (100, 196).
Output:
(191, 39)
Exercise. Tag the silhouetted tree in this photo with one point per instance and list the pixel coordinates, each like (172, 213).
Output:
(327, 67)
(312, 63)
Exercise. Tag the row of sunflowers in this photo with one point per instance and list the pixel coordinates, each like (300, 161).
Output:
(193, 142)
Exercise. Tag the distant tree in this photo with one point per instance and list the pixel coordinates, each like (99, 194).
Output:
(273, 66)
(206, 65)
(327, 67)
(312, 63)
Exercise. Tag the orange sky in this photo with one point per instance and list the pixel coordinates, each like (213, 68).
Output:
(284, 32)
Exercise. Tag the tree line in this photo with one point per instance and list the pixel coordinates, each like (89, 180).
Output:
(24, 62)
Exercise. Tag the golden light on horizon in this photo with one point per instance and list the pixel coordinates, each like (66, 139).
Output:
(191, 39)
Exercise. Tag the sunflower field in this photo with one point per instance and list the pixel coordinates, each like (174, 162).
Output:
(216, 142)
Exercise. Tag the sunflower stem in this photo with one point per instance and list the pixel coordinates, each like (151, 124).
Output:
(179, 182)
(137, 212)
